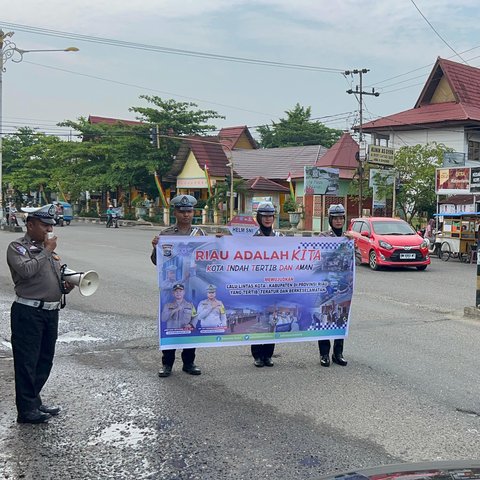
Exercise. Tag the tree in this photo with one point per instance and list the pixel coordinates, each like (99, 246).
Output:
(296, 130)
(174, 119)
(30, 161)
(415, 167)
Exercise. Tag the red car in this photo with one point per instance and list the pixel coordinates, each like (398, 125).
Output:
(389, 242)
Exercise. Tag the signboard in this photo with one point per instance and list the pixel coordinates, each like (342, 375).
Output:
(257, 290)
(475, 180)
(452, 181)
(192, 182)
(381, 155)
(257, 200)
(453, 159)
(242, 225)
(380, 178)
(321, 181)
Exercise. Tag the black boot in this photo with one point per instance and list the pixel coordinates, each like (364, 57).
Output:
(339, 360)
(324, 360)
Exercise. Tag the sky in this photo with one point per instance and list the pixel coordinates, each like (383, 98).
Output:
(391, 38)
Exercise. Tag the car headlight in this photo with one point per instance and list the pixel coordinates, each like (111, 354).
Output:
(385, 245)
(424, 244)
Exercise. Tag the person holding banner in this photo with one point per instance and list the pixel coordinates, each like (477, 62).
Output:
(336, 220)
(183, 212)
(262, 354)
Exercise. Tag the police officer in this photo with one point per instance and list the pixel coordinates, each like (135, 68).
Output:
(35, 270)
(336, 220)
(211, 312)
(179, 313)
(262, 354)
(183, 212)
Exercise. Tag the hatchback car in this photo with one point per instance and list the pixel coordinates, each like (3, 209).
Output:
(384, 241)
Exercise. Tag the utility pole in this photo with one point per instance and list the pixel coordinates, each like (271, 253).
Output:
(362, 152)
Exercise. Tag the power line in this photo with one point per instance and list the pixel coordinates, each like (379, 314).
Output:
(438, 35)
(167, 50)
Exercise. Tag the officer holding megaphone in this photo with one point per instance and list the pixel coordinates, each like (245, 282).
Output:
(39, 286)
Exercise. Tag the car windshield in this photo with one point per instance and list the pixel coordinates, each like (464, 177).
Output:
(392, 228)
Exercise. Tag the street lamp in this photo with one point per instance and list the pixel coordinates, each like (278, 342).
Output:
(8, 50)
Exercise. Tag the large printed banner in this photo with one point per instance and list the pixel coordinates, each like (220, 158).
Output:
(231, 290)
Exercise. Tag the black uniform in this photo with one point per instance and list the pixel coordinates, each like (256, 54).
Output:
(34, 318)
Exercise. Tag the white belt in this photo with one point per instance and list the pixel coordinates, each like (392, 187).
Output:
(38, 303)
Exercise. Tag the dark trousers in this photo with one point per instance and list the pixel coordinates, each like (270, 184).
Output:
(34, 333)
(188, 356)
(263, 351)
(324, 347)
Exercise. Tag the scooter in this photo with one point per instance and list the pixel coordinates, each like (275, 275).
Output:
(112, 220)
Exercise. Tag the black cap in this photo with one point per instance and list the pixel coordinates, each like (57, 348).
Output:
(178, 286)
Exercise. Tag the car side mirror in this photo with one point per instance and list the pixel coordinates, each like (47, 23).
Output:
(365, 234)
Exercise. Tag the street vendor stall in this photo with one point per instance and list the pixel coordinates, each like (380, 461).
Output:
(456, 235)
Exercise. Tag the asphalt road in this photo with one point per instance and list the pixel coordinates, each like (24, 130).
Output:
(409, 393)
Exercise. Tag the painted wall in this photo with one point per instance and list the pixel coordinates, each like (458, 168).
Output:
(450, 137)
(192, 171)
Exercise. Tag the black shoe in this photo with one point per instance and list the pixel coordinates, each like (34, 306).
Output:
(165, 371)
(191, 369)
(258, 362)
(268, 362)
(33, 416)
(339, 360)
(50, 410)
(324, 360)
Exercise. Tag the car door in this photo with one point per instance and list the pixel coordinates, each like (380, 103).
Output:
(363, 244)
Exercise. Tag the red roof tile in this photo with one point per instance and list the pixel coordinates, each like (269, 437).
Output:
(341, 156)
(231, 135)
(264, 184)
(464, 82)
(111, 121)
(206, 150)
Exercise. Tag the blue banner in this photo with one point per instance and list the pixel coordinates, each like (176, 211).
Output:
(226, 291)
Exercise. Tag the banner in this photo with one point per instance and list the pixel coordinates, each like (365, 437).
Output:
(452, 181)
(321, 181)
(475, 180)
(230, 290)
(378, 179)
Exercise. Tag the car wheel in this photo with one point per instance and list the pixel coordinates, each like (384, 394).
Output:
(372, 260)
(421, 267)
(358, 257)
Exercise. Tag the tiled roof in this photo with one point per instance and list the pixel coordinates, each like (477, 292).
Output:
(211, 153)
(230, 136)
(275, 163)
(111, 121)
(443, 113)
(457, 200)
(264, 184)
(341, 156)
(464, 81)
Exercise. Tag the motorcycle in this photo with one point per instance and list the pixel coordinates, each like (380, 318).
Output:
(112, 220)
(12, 218)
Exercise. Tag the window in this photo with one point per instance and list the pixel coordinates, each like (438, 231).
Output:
(473, 150)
